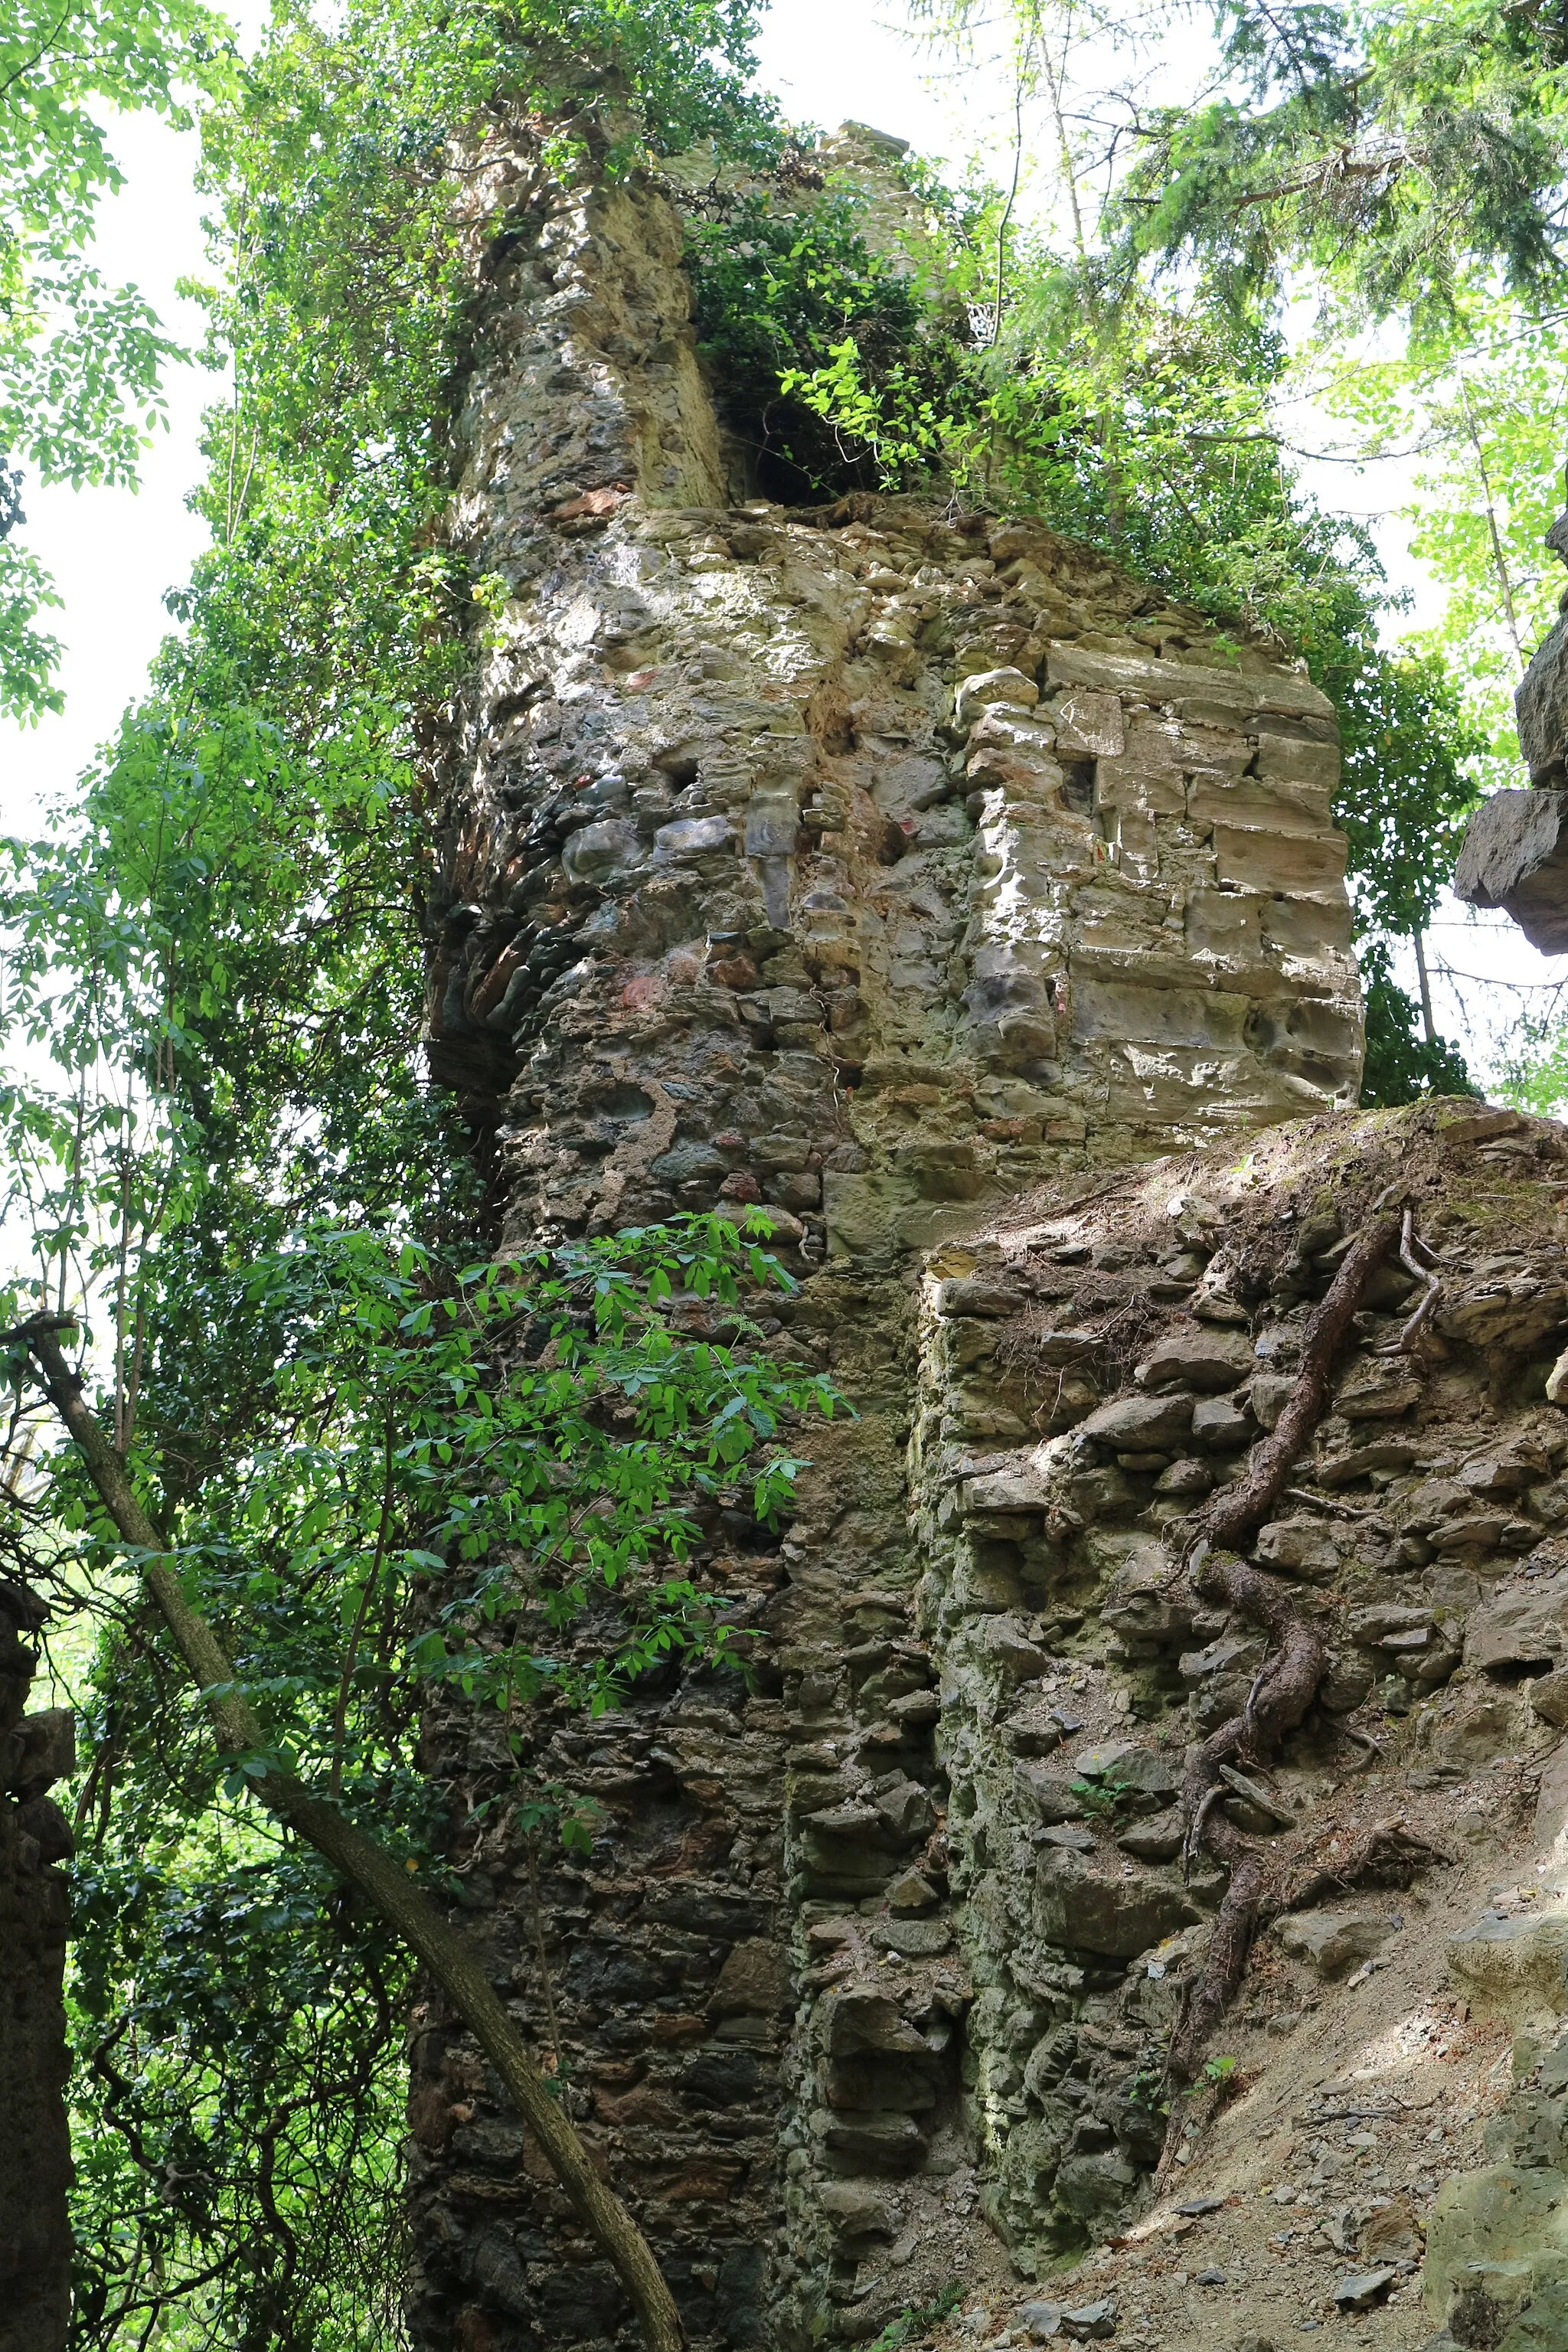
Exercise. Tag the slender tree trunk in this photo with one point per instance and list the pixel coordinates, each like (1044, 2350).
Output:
(35, 2139)
(1418, 940)
(1499, 561)
(365, 1865)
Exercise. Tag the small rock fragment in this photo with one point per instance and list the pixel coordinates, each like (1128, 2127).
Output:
(1364, 2288)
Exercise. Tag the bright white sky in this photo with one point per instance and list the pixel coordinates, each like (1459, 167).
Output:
(113, 554)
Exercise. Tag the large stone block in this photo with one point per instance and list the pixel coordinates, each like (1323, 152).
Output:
(1159, 1016)
(1514, 1963)
(1250, 801)
(1540, 706)
(1498, 2219)
(1093, 1908)
(1256, 858)
(1515, 856)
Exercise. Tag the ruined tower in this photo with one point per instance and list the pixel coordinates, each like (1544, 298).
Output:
(878, 863)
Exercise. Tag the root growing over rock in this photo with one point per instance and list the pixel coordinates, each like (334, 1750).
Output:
(1289, 1681)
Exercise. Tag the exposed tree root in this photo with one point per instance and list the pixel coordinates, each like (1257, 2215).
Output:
(1289, 1682)
(1389, 1854)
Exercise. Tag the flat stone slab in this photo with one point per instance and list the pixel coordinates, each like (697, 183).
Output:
(1364, 2288)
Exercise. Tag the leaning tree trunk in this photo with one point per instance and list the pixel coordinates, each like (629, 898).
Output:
(364, 1864)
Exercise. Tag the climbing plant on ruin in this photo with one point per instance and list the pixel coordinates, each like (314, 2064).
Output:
(239, 1166)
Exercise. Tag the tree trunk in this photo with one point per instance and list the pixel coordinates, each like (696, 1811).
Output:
(35, 2141)
(367, 1867)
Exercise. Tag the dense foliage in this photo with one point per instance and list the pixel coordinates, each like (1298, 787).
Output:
(378, 1466)
(81, 360)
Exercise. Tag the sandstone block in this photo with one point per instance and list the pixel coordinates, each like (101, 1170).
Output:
(1047, 1794)
(1193, 1356)
(1347, 1683)
(888, 2144)
(1506, 1962)
(1521, 1625)
(1515, 856)
(1257, 859)
(1248, 801)
(858, 2019)
(1498, 2217)
(1516, 1312)
(914, 1940)
(1231, 1655)
(1375, 1393)
(1222, 1424)
(1302, 1545)
(1069, 1836)
(42, 1751)
(912, 1893)
(1334, 1940)
(1140, 1424)
(1364, 2289)
(855, 2210)
(596, 852)
(1159, 1016)
(691, 836)
(1090, 725)
(991, 686)
(1095, 1909)
(1159, 1840)
(905, 1812)
(753, 1981)
(1268, 1393)
(1003, 1644)
(1294, 760)
(1383, 1454)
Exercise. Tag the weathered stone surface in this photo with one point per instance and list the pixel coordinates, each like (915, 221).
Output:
(859, 2019)
(1097, 1910)
(752, 1982)
(1198, 1357)
(1300, 1545)
(1223, 1423)
(760, 878)
(1515, 856)
(1140, 1424)
(1509, 1960)
(1045, 1795)
(1157, 1840)
(1004, 1644)
(1362, 2289)
(1334, 1940)
(1009, 687)
(1520, 1625)
(1503, 2218)
(1508, 1311)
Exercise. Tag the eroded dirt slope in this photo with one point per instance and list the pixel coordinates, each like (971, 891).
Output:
(1375, 2148)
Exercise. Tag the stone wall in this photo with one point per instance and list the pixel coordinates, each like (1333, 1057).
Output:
(879, 864)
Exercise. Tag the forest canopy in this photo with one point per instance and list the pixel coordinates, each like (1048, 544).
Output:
(220, 1146)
